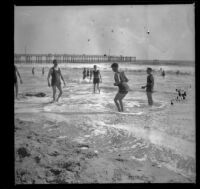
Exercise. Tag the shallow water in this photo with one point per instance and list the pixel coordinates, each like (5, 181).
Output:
(164, 133)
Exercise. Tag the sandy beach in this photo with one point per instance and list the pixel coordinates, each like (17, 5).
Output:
(82, 139)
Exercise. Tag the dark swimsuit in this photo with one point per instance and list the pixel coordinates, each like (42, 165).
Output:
(122, 88)
(150, 81)
(88, 73)
(96, 76)
(15, 75)
(55, 77)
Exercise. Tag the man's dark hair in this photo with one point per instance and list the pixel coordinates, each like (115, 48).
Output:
(54, 61)
(114, 65)
(150, 69)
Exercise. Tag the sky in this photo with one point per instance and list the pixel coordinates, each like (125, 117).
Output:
(164, 32)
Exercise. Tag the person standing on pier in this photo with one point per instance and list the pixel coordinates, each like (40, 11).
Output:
(149, 86)
(16, 72)
(55, 74)
(120, 81)
(96, 79)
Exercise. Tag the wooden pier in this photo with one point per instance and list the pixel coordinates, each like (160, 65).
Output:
(67, 58)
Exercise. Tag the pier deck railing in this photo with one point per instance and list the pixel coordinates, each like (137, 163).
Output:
(66, 58)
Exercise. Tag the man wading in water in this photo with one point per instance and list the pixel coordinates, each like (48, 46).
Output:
(149, 86)
(96, 79)
(55, 74)
(16, 72)
(120, 81)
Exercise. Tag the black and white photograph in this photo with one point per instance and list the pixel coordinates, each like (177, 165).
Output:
(104, 94)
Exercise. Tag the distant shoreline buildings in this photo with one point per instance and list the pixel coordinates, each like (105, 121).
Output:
(68, 58)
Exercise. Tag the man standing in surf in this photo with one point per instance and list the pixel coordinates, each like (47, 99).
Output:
(55, 74)
(120, 81)
(96, 79)
(149, 86)
(16, 72)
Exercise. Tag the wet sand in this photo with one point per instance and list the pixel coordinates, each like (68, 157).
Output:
(44, 156)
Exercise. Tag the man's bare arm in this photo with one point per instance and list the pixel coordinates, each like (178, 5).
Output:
(117, 81)
(126, 79)
(100, 77)
(49, 74)
(18, 75)
(62, 77)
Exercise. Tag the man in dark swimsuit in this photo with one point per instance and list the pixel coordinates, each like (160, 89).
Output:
(88, 73)
(163, 73)
(149, 86)
(96, 78)
(120, 81)
(16, 72)
(55, 74)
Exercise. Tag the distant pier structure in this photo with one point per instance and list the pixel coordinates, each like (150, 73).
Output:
(67, 58)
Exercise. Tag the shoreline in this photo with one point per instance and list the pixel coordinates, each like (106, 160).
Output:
(169, 69)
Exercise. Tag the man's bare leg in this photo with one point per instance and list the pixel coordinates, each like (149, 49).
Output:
(117, 104)
(94, 88)
(16, 91)
(54, 93)
(98, 87)
(60, 92)
(121, 96)
(149, 97)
